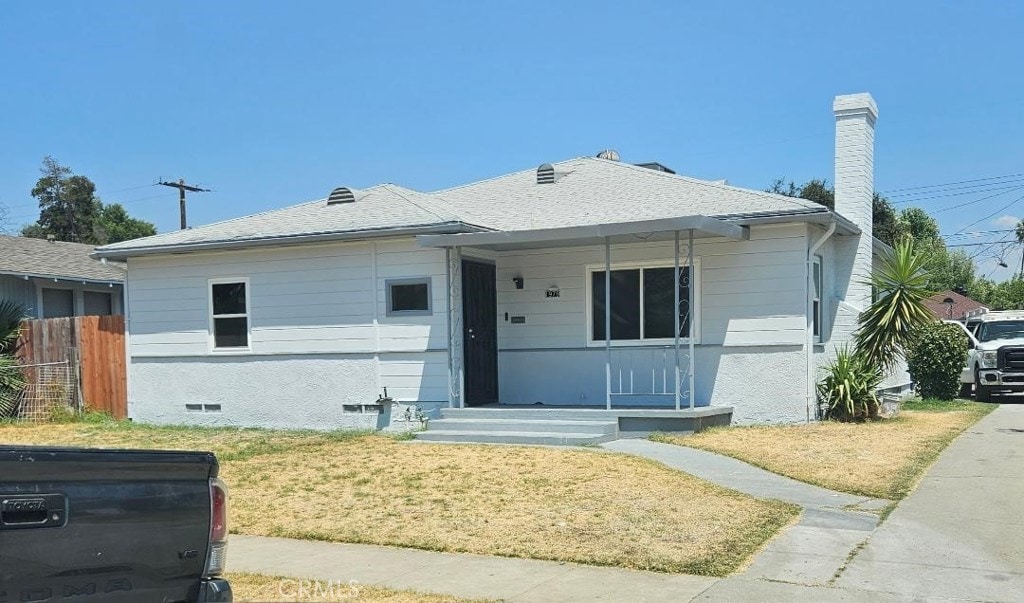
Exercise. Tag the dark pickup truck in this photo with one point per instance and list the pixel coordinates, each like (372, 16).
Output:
(111, 525)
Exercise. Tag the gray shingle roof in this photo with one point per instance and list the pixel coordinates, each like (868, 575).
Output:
(36, 257)
(380, 207)
(587, 191)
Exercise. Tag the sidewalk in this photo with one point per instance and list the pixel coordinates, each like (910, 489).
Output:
(464, 575)
(961, 533)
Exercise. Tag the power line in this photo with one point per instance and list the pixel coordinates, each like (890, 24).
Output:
(182, 187)
(1001, 209)
(958, 206)
(911, 188)
(959, 194)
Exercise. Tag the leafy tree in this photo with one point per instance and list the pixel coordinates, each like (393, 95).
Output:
(115, 225)
(885, 222)
(950, 270)
(916, 222)
(885, 328)
(70, 210)
(68, 206)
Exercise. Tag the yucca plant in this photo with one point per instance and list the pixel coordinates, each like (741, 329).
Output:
(848, 390)
(886, 327)
(12, 380)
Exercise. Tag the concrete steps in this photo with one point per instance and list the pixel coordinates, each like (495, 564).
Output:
(511, 426)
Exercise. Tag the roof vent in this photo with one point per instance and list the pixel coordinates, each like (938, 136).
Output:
(341, 195)
(609, 154)
(657, 167)
(546, 174)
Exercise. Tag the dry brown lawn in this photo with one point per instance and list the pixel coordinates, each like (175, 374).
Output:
(579, 505)
(882, 459)
(251, 588)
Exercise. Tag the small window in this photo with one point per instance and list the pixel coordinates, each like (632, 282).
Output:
(97, 303)
(58, 303)
(408, 297)
(816, 297)
(230, 315)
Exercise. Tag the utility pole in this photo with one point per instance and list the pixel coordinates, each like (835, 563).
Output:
(182, 187)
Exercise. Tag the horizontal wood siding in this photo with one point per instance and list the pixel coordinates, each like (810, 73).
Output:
(752, 292)
(19, 291)
(303, 299)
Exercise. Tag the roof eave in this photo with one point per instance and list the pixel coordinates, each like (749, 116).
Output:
(823, 216)
(352, 235)
(585, 234)
(59, 277)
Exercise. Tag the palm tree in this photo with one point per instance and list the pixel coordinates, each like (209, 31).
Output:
(1020, 239)
(901, 286)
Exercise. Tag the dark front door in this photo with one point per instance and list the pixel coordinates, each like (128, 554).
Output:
(480, 332)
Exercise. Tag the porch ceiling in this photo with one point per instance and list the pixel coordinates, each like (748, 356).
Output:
(577, 236)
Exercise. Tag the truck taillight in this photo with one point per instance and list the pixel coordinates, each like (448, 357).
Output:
(217, 556)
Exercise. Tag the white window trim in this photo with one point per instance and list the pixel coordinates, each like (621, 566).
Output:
(695, 311)
(76, 295)
(817, 261)
(211, 339)
(422, 280)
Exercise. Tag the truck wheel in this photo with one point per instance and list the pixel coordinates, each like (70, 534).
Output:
(966, 389)
(983, 393)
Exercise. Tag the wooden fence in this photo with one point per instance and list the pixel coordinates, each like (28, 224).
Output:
(94, 345)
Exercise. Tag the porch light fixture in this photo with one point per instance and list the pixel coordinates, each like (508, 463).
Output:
(518, 280)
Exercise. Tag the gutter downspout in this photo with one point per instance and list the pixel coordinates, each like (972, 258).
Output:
(809, 344)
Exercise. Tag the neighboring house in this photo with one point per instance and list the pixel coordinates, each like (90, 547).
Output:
(950, 305)
(496, 292)
(53, 278)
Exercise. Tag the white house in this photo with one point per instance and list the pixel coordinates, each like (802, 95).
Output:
(495, 292)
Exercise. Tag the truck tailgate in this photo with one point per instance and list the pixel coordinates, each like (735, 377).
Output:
(110, 525)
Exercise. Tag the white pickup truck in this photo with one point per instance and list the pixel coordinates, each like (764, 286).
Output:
(995, 360)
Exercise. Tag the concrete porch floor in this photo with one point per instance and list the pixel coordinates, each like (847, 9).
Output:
(566, 425)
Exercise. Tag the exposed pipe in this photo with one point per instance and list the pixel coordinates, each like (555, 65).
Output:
(809, 344)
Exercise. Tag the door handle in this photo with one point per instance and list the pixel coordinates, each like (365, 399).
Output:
(21, 511)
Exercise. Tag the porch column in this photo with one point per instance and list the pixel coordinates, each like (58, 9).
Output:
(675, 298)
(453, 255)
(689, 310)
(608, 321)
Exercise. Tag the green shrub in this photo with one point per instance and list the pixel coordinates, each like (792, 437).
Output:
(12, 381)
(847, 392)
(935, 359)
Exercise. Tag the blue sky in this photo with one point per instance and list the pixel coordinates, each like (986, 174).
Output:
(271, 104)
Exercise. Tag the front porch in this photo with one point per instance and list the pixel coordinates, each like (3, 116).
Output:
(566, 425)
(588, 317)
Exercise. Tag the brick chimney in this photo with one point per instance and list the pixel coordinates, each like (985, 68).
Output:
(855, 182)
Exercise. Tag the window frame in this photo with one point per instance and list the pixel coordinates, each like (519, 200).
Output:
(212, 335)
(695, 285)
(817, 296)
(419, 280)
(76, 309)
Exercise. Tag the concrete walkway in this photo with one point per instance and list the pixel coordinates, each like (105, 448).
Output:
(814, 551)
